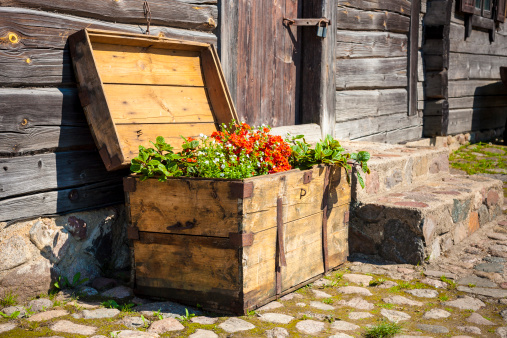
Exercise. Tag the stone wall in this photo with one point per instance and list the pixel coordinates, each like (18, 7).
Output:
(36, 251)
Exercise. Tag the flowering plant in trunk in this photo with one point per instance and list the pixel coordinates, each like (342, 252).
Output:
(239, 151)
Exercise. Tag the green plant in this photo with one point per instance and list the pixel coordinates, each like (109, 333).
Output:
(127, 307)
(187, 315)
(450, 283)
(9, 299)
(328, 151)
(443, 298)
(470, 285)
(63, 282)
(14, 315)
(110, 304)
(145, 322)
(386, 305)
(376, 282)
(158, 314)
(382, 330)
(251, 313)
(29, 311)
(448, 309)
(328, 301)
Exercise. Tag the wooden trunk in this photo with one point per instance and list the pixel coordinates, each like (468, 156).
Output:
(234, 245)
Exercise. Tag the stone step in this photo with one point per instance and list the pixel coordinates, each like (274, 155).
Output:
(395, 166)
(418, 222)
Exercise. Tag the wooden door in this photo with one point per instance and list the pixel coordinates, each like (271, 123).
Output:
(261, 57)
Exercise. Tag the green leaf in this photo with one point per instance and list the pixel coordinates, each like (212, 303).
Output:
(154, 163)
(360, 179)
(363, 156)
(160, 140)
(76, 278)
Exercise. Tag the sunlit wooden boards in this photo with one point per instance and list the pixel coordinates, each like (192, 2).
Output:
(134, 88)
(217, 242)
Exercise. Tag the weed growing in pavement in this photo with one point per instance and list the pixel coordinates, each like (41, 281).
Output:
(386, 305)
(159, 315)
(9, 299)
(328, 301)
(14, 315)
(443, 298)
(383, 330)
(377, 281)
(450, 283)
(251, 313)
(448, 309)
(471, 285)
(145, 322)
(63, 282)
(187, 315)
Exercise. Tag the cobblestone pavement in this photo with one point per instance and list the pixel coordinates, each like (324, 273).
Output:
(463, 293)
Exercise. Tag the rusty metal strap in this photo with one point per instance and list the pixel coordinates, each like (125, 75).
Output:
(325, 254)
(280, 251)
(147, 15)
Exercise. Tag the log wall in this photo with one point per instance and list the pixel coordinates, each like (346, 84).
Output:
(372, 65)
(460, 89)
(48, 160)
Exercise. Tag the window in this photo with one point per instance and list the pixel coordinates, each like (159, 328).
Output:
(483, 14)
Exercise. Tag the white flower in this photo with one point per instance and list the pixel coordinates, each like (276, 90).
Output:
(201, 135)
(221, 174)
(222, 166)
(258, 164)
(216, 160)
(206, 162)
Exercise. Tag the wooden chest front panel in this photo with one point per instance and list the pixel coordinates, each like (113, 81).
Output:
(186, 206)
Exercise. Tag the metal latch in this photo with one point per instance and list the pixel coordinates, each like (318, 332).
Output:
(321, 24)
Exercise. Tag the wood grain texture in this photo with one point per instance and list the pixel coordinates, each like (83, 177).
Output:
(130, 136)
(399, 6)
(465, 120)
(413, 56)
(52, 202)
(351, 104)
(475, 66)
(157, 104)
(138, 65)
(30, 174)
(476, 87)
(362, 127)
(371, 73)
(357, 44)
(37, 29)
(185, 206)
(198, 268)
(477, 43)
(174, 13)
(478, 102)
(355, 19)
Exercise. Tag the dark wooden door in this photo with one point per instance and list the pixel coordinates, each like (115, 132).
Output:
(261, 58)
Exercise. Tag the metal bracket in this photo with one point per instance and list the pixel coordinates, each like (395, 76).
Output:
(307, 177)
(241, 240)
(306, 22)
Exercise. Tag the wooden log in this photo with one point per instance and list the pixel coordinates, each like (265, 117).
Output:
(174, 13)
(435, 107)
(357, 44)
(89, 196)
(42, 172)
(475, 66)
(465, 120)
(371, 73)
(351, 104)
(413, 56)
(476, 88)
(361, 127)
(36, 29)
(398, 6)
(395, 136)
(437, 13)
(477, 43)
(22, 108)
(355, 19)
(40, 67)
(435, 85)
(478, 102)
(42, 138)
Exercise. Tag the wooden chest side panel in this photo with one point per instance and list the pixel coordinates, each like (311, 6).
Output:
(185, 206)
(339, 188)
(259, 266)
(140, 65)
(337, 235)
(186, 267)
(157, 104)
(303, 250)
(133, 135)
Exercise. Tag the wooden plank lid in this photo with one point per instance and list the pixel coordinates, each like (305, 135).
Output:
(135, 87)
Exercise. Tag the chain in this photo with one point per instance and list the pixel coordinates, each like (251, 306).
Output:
(147, 15)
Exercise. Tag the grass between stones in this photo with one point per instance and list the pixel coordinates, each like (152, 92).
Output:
(382, 330)
(478, 158)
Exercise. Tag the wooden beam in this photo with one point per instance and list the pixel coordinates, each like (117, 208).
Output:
(350, 104)
(357, 44)
(318, 68)
(398, 6)
(413, 56)
(174, 13)
(37, 29)
(359, 20)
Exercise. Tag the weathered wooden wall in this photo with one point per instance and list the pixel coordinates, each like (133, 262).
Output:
(48, 160)
(460, 88)
(372, 62)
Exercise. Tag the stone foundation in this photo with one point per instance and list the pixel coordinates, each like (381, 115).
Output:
(35, 252)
